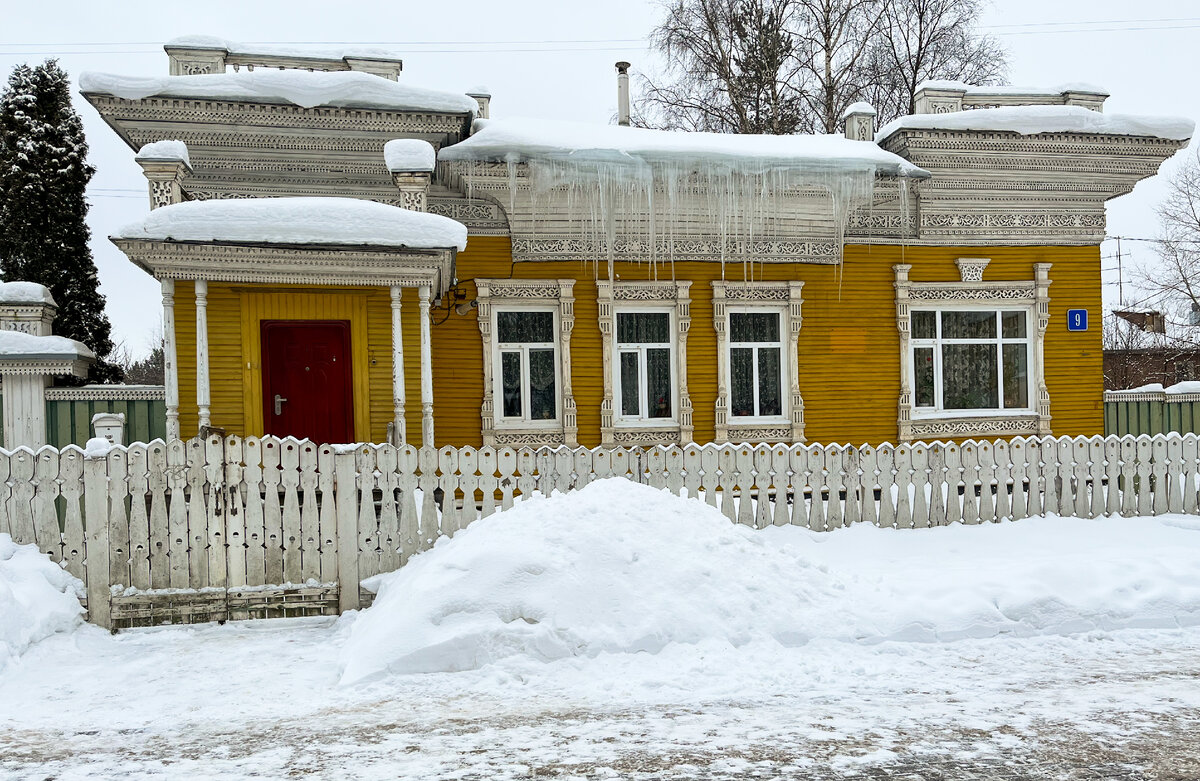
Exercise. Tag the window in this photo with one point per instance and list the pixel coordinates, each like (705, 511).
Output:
(755, 359)
(528, 376)
(970, 360)
(645, 361)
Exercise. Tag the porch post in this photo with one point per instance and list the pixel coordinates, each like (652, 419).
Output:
(170, 366)
(202, 391)
(398, 397)
(426, 371)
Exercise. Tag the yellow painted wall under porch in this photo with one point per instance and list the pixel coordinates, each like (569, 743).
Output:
(848, 347)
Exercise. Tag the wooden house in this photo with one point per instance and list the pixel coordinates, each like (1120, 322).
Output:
(617, 286)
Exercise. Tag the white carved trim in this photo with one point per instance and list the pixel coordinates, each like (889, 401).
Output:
(557, 293)
(971, 269)
(170, 359)
(427, 439)
(399, 424)
(1035, 295)
(675, 294)
(783, 296)
(203, 398)
(107, 393)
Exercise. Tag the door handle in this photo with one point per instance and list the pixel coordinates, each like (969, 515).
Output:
(279, 400)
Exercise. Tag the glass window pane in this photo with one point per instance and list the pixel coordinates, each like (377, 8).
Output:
(770, 394)
(629, 384)
(525, 327)
(754, 327)
(542, 397)
(923, 395)
(969, 325)
(511, 380)
(1016, 376)
(658, 382)
(924, 325)
(969, 376)
(643, 327)
(741, 390)
(1013, 325)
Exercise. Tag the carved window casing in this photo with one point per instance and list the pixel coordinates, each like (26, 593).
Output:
(973, 294)
(532, 295)
(671, 298)
(785, 299)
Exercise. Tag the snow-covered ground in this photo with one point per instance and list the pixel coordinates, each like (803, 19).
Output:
(1086, 663)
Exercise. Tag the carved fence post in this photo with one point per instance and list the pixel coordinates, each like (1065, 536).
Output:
(346, 503)
(95, 502)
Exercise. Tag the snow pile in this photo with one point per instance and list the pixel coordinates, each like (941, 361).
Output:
(1188, 386)
(235, 47)
(25, 346)
(37, 599)
(25, 293)
(309, 220)
(1029, 120)
(97, 447)
(861, 107)
(347, 89)
(622, 568)
(409, 154)
(164, 150)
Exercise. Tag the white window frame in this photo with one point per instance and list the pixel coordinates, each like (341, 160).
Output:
(780, 343)
(523, 349)
(620, 419)
(938, 410)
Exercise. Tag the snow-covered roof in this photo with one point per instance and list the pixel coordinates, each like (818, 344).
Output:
(861, 107)
(309, 220)
(1007, 89)
(1028, 120)
(164, 150)
(409, 154)
(236, 47)
(525, 139)
(346, 89)
(22, 346)
(25, 293)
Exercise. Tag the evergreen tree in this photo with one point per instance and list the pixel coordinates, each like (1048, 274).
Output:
(43, 229)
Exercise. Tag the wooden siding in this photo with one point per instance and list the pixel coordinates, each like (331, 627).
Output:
(848, 346)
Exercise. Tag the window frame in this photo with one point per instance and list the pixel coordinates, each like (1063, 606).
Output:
(621, 420)
(499, 348)
(780, 343)
(938, 410)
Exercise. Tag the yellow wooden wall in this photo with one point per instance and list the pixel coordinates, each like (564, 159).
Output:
(848, 347)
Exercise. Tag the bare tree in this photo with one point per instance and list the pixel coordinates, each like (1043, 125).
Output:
(789, 66)
(1177, 276)
(919, 40)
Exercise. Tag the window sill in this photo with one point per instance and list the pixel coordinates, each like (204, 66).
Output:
(1015, 425)
(981, 414)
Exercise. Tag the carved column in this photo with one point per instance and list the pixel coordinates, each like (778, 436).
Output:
(683, 321)
(202, 385)
(411, 162)
(721, 412)
(1041, 279)
(795, 320)
(904, 406)
(426, 370)
(566, 308)
(604, 298)
(398, 394)
(483, 316)
(414, 190)
(170, 360)
(164, 178)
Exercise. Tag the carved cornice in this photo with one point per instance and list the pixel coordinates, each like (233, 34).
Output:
(975, 427)
(107, 393)
(564, 248)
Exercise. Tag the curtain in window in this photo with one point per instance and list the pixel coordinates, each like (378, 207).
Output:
(542, 401)
(525, 327)
(643, 328)
(754, 327)
(629, 384)
(741, 390)
(770, 401)
(658, 382)
(511, 381)
(969, 375)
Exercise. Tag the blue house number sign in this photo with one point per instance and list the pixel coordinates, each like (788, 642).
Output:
(1077, 319)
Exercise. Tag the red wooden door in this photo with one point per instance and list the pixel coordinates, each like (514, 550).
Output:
(307, 391)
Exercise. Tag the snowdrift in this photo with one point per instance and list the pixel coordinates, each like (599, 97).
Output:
(37, 599)
(622, 568)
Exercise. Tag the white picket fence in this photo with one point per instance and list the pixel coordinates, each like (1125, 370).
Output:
(217, 528)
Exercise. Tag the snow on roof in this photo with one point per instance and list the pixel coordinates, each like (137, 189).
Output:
(524, 139)
(235, 47)
(1188, 386)
(164, 150)
(16, 344)
(25, 293)
(350, 89)
(1007, 89)
(409, 154)
(299, 221)
(1029, 120)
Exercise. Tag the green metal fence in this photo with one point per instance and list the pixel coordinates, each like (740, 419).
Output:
(1151, 412)
(69, 412)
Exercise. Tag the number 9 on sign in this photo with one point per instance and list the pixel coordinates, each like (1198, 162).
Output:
(1077, 319)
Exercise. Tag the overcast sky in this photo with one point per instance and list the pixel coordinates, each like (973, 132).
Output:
(554, 59)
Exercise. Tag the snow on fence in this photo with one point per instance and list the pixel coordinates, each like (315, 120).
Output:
(227, 528)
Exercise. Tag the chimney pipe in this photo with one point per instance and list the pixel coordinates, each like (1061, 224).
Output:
(623, 94)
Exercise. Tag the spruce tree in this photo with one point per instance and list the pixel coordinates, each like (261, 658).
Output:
(43, 210)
